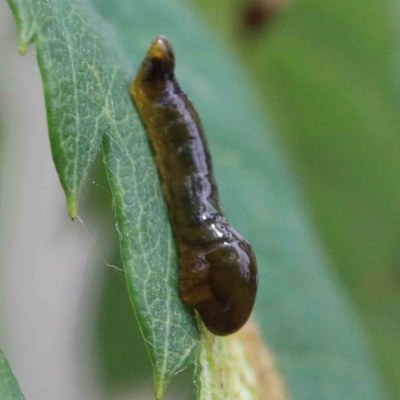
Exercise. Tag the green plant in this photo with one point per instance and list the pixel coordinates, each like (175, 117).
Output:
(88, 54)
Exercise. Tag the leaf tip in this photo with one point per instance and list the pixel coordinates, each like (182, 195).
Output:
(72, 206)
(159, 391)
(22, 47)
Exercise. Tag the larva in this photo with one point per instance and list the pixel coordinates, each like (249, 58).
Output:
(218, 273)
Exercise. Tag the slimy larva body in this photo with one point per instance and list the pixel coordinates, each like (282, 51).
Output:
(218, 275)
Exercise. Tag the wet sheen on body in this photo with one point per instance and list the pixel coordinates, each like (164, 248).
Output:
(218, 275)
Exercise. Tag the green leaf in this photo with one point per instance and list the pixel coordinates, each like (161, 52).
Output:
(86, 83)
(9, 389)
(328, 70)
(238, 366)
(76, 77)
(305, 316)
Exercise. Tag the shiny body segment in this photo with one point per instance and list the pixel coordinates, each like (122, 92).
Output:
(218, 275)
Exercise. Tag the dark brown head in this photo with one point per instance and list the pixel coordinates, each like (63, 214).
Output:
(221, 284)
(159, 63)
(156, 71)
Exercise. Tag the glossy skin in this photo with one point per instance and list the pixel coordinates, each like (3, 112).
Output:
(218, 275)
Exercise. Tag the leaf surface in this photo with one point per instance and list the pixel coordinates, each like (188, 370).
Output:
(86, 79)
(9, 389)
(305, 316)
(328, 73)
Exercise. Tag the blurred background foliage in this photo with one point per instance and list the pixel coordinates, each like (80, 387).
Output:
(327, 73)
